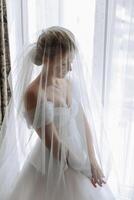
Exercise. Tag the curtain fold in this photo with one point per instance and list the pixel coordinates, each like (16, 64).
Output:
(4, 61)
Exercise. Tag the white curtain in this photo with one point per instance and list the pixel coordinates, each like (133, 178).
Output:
(105, 32)
(113, 73)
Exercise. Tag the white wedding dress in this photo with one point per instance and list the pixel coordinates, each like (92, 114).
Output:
(31, 184)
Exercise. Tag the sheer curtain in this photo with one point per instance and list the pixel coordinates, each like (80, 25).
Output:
(113, 73)
(105, 32)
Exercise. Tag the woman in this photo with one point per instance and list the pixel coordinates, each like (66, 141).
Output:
(61, 162)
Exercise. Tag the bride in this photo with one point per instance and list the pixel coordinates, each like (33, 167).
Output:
(57, 161)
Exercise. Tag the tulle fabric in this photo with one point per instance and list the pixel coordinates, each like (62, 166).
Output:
(44, 153)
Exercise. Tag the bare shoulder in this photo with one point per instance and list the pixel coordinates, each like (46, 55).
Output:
(30, 98)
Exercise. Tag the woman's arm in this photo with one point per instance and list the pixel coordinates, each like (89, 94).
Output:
(89, 138)
(97, 174)
(47, 133)
(51, 139)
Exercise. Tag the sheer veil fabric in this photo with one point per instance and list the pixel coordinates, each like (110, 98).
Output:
(47, 152)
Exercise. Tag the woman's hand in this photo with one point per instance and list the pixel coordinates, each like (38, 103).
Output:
(97, 174)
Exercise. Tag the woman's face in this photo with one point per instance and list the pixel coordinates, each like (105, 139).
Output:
(61, 65)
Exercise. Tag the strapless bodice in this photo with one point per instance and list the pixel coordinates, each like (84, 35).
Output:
(48, 113)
